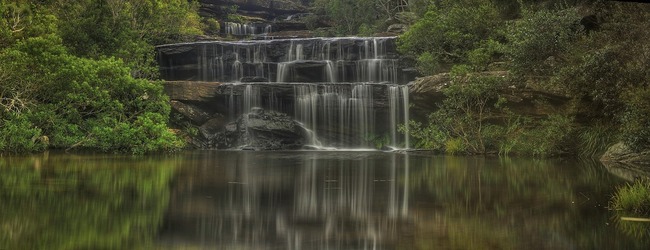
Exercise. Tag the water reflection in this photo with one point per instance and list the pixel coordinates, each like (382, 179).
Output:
(308, 200)
(82, 201)
(293, 200)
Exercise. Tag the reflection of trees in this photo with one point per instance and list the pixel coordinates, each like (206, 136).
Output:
(82, 202)
(491, 203)
(296, 200)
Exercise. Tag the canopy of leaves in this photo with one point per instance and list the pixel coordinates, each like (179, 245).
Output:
(79, 73)
(448, 33)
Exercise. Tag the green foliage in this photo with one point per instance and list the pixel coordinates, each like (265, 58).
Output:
(595, 139)
(633, 198)
(460, 124)
(212, 26)
(351, 17)
(538, 40)
(72, 73)
(636, 119)
(429, 136)
(230, 13)
(551, 136)
(54, 202)
(447, 33)
(86, 103)
(18, 135)
(127, 29)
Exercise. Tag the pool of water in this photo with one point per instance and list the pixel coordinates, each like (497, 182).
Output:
(308, 200)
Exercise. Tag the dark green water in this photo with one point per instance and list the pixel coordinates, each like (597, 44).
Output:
(307, 200)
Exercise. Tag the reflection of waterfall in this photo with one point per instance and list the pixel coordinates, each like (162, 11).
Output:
(293, 200)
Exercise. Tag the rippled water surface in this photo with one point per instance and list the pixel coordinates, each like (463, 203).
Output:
(308, 200)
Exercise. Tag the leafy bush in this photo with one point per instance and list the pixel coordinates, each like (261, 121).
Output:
(636, 119)
(85, 103)
(350, 17)
(551, 136)
(447, 33)
(461, 125)
(537, 41)
(18, 135)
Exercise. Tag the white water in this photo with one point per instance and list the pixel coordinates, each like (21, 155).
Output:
(243, 29)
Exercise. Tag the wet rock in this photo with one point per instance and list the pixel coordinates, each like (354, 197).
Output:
(212, 126)
(254, 79)
(190, 112)
(260, 130)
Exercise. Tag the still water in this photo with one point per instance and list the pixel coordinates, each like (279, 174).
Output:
(308, 200)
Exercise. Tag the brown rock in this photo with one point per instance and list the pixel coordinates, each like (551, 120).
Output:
(191, 91)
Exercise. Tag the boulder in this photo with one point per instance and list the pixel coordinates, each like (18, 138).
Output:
(621, 153)
(212, 126)
(190, 112)
(260, 130)
(397, 28)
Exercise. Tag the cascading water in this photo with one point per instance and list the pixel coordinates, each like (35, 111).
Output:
(346, 92)
(242, 29)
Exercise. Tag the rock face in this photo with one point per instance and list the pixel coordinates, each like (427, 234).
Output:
(622, 161)
(196, 91)
(373, 59)
(259, 130)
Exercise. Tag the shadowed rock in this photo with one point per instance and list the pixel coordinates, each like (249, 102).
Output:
(260, 130)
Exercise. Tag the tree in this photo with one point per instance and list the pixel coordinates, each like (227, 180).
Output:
(446, 34)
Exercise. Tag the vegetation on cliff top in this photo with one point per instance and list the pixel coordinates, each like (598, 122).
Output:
(82, 74)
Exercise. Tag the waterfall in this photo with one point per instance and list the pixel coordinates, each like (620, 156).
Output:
(398, 102)
(405, 107)
(244, 29)
(252, 98)
(347, 92)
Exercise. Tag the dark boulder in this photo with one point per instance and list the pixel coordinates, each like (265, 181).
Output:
(260, 130)
(190, 112)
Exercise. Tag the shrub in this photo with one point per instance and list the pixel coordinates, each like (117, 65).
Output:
(636, 119)
(447, 33)
(80, 102)
(18, 135)
(538, 40)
